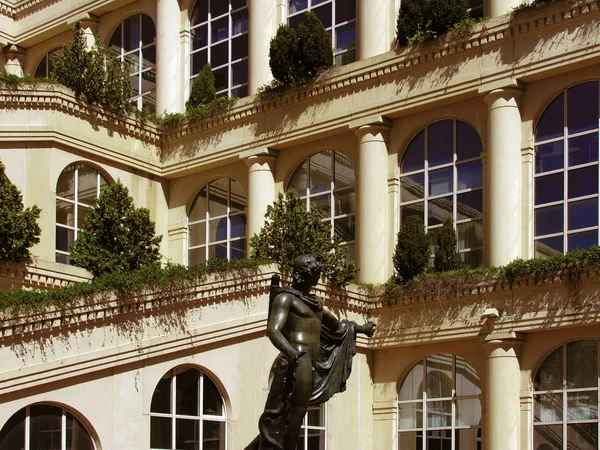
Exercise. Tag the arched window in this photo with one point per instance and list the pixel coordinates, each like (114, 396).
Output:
(326, 181)
(44, 68)
(217, 222)
(565, 398)
(566, 172)
(187, 412)
(441, 174)
(219, 36)
(439, 405)
(134, 42)
(339, 19)
(78, 187)
(44, 426)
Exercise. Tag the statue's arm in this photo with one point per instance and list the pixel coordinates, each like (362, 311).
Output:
(280, 310)
(331, 322)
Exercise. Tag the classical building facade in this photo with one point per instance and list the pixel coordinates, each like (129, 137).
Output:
(496, 128)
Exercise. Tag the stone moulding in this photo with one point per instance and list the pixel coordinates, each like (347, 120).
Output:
(41, 275)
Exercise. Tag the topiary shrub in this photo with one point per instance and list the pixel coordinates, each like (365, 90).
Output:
(203, 88)
(70, 64)
(19, 229)
(116, 236)
(446, 256)
(419, 20)
(412, 252)
(298, 56)
(290, 231)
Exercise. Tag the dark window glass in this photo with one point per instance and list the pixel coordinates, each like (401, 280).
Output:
(218, 8)
(582, 364)
(439, 145)
(236, 4)
(186, 395)
(132, 33)
(221, 79)
(199, 37)
(438, 210)
(412, 187)
(552, 123)
(549, 157)
(115, 40)
(468, 142)
(549, 188)
(582, 107)
(582, 240)
(297, 5)
(549, 220)
(45, 427)
(12, 435)
(583, 213)
(469, 175)
(239, 47)
(583, 149)
(148, 30)
(200, 12)
(345, 36)
(240, 72)
(295, 20)
(212, 399)
(219, 29)
(469, 205)
(240, 22)
(324, 14)
(219, 54)
(549, 246)
(345, 10)
(199, 60)
(414, 156)
(161, 399)
(583, 182)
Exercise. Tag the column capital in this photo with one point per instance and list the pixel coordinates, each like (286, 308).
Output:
(511, 339)
(260, 155)
(370, 123)
(14, 51)
(507, 94)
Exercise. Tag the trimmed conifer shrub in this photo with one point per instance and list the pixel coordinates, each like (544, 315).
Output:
(298, 56)
(412, 252)
(203, 88)
(446, 255)
(419, 20)
(116, 236)
(70, 64)
(19, 229)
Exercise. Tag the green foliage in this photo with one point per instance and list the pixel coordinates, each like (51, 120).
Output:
(298, 56)
(171, 281)
(411, 256)
(290, 231)
(419, 20)
(19, 229)
(169, 121)
(116, 236)
(446, 256)
(203, 89)
(95, 74)
(535, 4)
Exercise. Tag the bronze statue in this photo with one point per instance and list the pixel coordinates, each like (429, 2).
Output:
(315, 359)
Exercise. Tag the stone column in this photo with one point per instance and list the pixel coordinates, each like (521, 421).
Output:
(168, 92)
(375, 27)
(503, 405)
(261, 190)
(503, 176)
(15, 59)
(89, 26)
(262, 26)
(372, 193)
(495, 8)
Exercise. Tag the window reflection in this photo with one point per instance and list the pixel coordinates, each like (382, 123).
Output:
(44, 68)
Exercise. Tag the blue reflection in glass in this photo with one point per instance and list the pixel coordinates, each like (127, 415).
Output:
(549, 220)
(552, 123)
(468, 142)
(582, 107)
(346, 37)
(469, 205)
(297, 5)
(549, 246)
(583, 181)
(583, 149)
(438, 210)
(440, 181)
(582, 214)
(238, 226)
(582, 240)
(549, 157)
(469, 175)
(439, 142)
(412, 187)
(549, 188)
(414, 156)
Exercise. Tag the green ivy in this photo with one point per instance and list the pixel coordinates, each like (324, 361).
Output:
(535, 4)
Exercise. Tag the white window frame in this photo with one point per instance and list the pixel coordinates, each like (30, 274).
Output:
(306, 428)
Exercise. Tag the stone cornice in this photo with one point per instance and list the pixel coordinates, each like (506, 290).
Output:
(42, 274)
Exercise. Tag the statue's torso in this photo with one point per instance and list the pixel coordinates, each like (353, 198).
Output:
(303, 327)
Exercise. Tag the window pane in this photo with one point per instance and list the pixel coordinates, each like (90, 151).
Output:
(237, 4)
(345, 10)
(240, 22)
(440, 140)
(320, 172)
(469, 205)
(295, 20)
(314, 417)
(582, 364)
(160, 432)
(197, 234)
(299, 180)
(200, 12)
(213, 436)
(344, 228)
(219, 54)
(582, 436)
(344, 172)
(550, 374)
(469, 175)
(322, 205)
(45, 427)
(412, 386)
(410, 415)
(414, 156)
(549, 157)
(238, 226)
(131, 33)
(549, 246)
(297, 5)
(548, 407)
(64, 238)
(582, 214)
(161, 398)
(548, 437)
(467, 380)
(115, 40)
(187, 434)
(199, 37)
(583, 149)
(438, 210)
(583, 181)
(186, 395)
(12, 435)
(344, 202)
(65, 187)
(416, 209)
(582, 405)
(217, 231)
(221, 78)
(345, 58)
(77, 436)
(239, 47)
(199, 60)
(212, 399)
(468, 142)
(219, 29)
(472, 259)
(439, 414)
(345, 37)
(549, 220)
(551, 124)
(218, 8)
(412, 187)
(65, 213)
(218, 194)
(468, 412)
(148, 30)
(324, 14)
(582, 107)
(240, 73)
(549, 188)
(439, 376)
(582, 240)
(198, 211)
(82, 212)
(441, 181)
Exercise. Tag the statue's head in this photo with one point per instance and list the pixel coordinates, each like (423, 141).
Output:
(308, 269)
